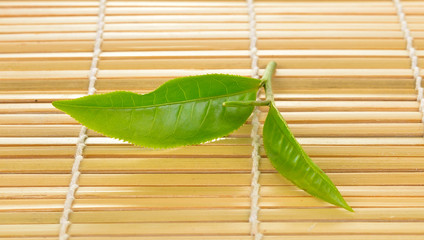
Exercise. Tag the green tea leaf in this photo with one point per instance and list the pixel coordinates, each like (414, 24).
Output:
(182, 111)
(291, 161)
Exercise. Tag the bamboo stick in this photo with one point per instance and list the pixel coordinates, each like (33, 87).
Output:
(329, 3)
(47, 20)
(211, 63)
(331, 214)
(168, 73)
(101, 192)
(29, 217)
(290, 117)
(262, 44)
(204, 179)
(121, 27)
(27, 108)
(350, 151)
(346, 84)
(29, 119)
(287, 10)
(139, 192)
(131, 229)
(55, 205)
(122, 180)
(37, 97)
(201, 165)
(63, 151)
(216, 215)
(216, 228)
(36, 134)
(154, 27)
(194, 10)
(318, 237)
(351, 191)
(29, 230)
(205, 44)
(345, 93)
(356, 179)
(148, 238)
(40, 85)
(110, 11)
(44, 75)
(219, 63)
(50, 11)
(227, 53)
(230, 26)
(338, 117)
(204, 35)
(389, 73)
(20, 4)
(355, 202)
(131, 19)
(272, 237)
(341, 236)
(257, 4)
(130, 3)
(342, 228)
(200, 151)
(73, 46)
(227, 141)
(329, 18)
(30, 56)
(162, 3)
(323, 95)
(347, 106)
(215, 18)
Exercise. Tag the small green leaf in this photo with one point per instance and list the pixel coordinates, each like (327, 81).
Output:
(183, 111)
(291, 161)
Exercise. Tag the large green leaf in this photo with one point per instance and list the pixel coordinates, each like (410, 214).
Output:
(182, 111)
(291, 161)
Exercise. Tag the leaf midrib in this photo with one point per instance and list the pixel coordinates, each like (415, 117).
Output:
(163, 104)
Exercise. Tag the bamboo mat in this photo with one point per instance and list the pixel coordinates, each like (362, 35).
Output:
(344, 83)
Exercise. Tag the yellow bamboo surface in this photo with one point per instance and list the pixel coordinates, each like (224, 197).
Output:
(344, 84)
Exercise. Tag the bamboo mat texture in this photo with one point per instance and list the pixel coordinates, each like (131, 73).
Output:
(348, 83)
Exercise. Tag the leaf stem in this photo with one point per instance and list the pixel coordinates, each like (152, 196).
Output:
(267, 78)
(266, 83)
(245, 103)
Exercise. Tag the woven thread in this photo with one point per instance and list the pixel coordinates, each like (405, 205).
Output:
(73, 185)
(254, 194)
(412, 53)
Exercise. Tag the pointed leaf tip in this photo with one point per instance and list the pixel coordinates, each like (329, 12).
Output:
(291, 161)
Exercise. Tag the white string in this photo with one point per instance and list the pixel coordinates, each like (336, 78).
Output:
(73, 185)
(412, 54)
(254, 194)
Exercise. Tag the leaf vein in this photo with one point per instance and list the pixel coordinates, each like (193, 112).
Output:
(166, 104)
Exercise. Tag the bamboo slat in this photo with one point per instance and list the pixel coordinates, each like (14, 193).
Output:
(215, 237)
(199, 191)
(199, 165)
(344, 84)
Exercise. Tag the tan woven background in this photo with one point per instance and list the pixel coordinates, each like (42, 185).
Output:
(343, 83)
